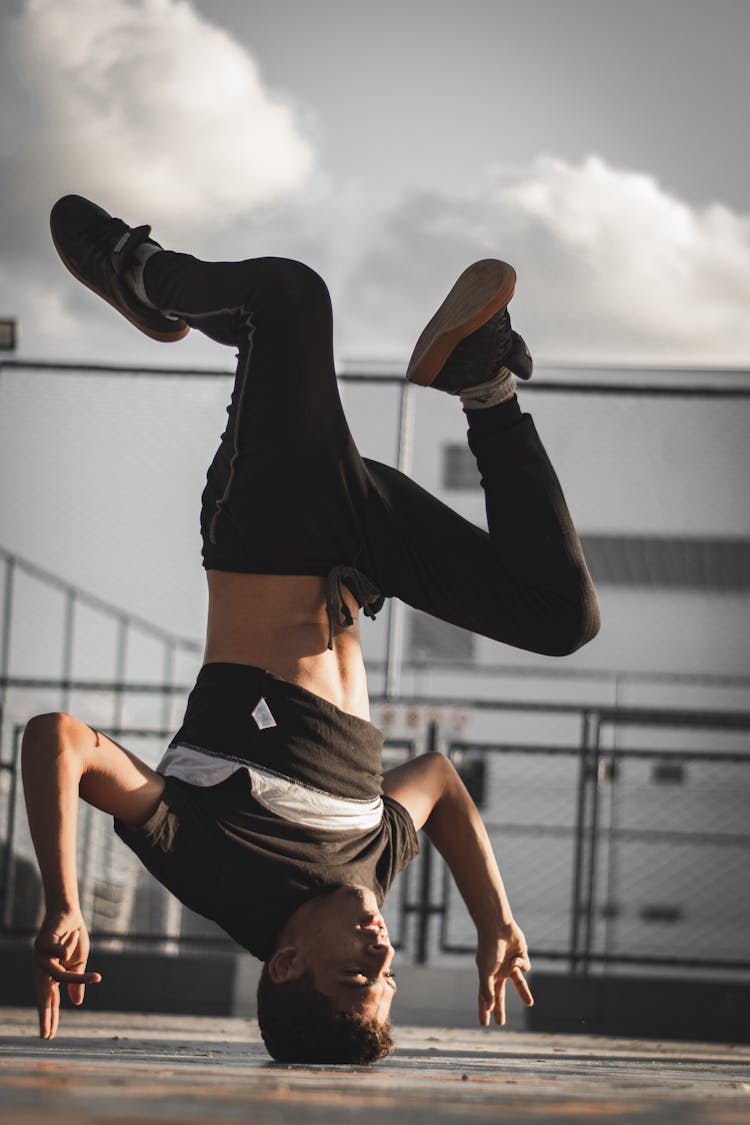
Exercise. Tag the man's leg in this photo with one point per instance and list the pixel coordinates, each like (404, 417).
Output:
(278, 499)
(525, 582)
(288, 493)
(287, 488)
(286, 484)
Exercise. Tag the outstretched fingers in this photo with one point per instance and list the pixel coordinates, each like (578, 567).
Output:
(48, 1004)
(77, 982)
(492, 992)
(56, 963)
(75, 965)
(492, 1000)
(499, 1007)
(522, 987)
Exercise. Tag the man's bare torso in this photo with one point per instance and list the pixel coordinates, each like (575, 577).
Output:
(280, 623)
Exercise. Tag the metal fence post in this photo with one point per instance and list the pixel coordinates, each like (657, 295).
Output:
(394, 645)
(425, 883)
(579, 846)
(121, 657)
(168, 670)
(67, 653)
(9, 875)
(10, 564)
(593, 842)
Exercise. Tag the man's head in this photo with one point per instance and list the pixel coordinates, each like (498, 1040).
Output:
(325, 993)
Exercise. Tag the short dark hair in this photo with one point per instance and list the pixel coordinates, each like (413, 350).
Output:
(300, 1024)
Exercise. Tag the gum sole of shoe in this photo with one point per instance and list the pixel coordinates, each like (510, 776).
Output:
(481, 291)
(162, 337)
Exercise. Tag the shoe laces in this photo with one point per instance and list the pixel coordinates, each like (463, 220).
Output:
(103, 238)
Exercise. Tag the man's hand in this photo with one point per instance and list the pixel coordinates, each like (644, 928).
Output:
(501, 955)
(61, 949)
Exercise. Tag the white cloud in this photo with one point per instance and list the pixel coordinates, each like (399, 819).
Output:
(673, 276)
(153, 112)
(161, 117)
(611, 267)
(142, 104)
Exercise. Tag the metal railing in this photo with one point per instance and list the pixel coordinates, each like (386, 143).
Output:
(127, 624)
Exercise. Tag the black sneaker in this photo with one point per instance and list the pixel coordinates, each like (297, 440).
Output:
(470, 338)
(97, 249)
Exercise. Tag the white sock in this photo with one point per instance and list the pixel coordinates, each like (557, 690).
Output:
(492, 393)
(133, 275)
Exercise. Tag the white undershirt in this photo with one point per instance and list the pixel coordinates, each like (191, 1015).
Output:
(312, 808)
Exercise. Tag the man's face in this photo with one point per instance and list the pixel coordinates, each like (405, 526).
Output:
(345, 944)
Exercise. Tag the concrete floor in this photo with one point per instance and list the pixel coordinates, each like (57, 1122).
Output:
(170, 1069)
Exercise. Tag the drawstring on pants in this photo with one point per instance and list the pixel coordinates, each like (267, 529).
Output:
(365, 591)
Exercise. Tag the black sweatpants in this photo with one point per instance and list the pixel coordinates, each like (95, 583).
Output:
(288, 492)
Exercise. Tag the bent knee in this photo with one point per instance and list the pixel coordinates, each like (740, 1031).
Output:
(294, 281)
(574, 627)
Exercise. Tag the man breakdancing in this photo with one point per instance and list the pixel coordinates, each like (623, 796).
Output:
(269, 812)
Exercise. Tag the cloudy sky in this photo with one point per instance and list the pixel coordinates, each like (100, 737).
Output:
(598, 144)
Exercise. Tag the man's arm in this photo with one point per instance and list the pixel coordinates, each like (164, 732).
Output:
(62, 759)
(438, 801)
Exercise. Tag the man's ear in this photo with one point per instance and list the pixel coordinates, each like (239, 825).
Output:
(285, 965)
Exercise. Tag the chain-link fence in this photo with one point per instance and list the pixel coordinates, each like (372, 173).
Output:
(612, 783)
(633, 858)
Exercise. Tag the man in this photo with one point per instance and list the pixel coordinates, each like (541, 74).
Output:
(269, 812)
